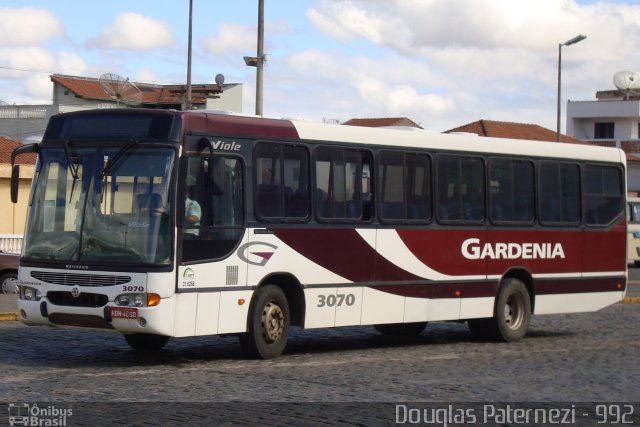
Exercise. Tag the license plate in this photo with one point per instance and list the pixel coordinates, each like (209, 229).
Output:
(124, 313)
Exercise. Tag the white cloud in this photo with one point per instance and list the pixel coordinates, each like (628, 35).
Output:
(358, 86)
(401, 99)
(411, 25)
(25, 58)
(71, 63)
(459, 60)
(132, 31)
(230, 38)
(39, 87)
(28, 26)
(145, 75)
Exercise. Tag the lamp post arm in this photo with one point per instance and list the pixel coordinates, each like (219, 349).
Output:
(559, 82)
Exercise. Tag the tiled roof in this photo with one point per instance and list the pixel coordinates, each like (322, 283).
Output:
(513, 130)
(6, 147)
(381, 122)
(90, 88)
(532, 132)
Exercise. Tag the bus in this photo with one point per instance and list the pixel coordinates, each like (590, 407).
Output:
(161, 223)
(633, 230)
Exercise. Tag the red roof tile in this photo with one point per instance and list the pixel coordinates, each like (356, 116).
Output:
(6, 147)
(513, 130)
(90, 88)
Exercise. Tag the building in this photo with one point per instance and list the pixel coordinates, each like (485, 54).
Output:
(71, 93)
(13, 215)
(611, 120)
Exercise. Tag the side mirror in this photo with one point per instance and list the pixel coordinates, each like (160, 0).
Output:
(215, 168)
(15, 182)
(217, 175)
(15, 169)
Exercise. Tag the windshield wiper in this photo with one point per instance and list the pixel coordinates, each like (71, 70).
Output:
(72, 166)
(118, 156)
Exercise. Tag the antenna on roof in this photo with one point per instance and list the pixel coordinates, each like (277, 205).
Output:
(627, 82)
(121, 89)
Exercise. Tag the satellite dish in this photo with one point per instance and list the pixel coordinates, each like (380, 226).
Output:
(219, 79)
(627, 82)
(121, 89)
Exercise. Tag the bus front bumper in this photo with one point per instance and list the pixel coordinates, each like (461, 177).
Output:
(148, 320)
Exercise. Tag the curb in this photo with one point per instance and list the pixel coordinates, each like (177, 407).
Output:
(8, 316)
(631, 300)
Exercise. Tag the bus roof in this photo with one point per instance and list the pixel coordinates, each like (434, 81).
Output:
(456, 142)
(236, 125)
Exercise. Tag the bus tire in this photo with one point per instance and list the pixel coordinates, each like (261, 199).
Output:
(512, 314)
(146, 342)
(268, 326)
(401, 329)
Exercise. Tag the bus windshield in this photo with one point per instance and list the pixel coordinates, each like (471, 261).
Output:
(106, 204)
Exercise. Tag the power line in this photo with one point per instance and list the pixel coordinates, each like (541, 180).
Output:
(30, 70)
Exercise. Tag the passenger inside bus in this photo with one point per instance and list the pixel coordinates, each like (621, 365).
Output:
(192, 214)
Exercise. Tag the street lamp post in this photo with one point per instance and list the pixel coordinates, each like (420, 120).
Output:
(574, 40)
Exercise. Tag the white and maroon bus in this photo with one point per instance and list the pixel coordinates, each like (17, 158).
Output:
(163, 224)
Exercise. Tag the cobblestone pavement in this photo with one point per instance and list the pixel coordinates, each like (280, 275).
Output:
(565, 358)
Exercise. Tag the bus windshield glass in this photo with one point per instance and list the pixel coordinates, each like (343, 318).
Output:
(101, 204)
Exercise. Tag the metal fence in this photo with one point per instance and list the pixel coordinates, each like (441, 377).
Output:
(11, 243)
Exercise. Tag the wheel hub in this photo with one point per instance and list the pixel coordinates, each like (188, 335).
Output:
(514, 311)
(272, 322)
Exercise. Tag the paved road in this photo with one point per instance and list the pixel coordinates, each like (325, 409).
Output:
(565, 358)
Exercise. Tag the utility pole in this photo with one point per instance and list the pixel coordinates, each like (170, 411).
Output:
(188, 101)
(260, 63)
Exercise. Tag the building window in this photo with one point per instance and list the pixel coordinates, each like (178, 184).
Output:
(604, 130)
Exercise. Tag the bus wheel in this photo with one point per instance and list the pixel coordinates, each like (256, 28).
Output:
(268, 324)
(513, 314)
(146, 342)
(402, 329)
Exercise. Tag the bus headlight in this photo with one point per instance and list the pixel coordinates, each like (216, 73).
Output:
(137, 300)
(30, 294)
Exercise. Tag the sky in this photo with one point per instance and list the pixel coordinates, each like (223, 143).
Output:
(441, 63)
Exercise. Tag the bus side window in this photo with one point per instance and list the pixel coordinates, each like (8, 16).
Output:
(559, 193)
(511, 191)
(281, 182)
(604, 195)
(404, 187)
(343, 191)
(460, 189)
(213, 216)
